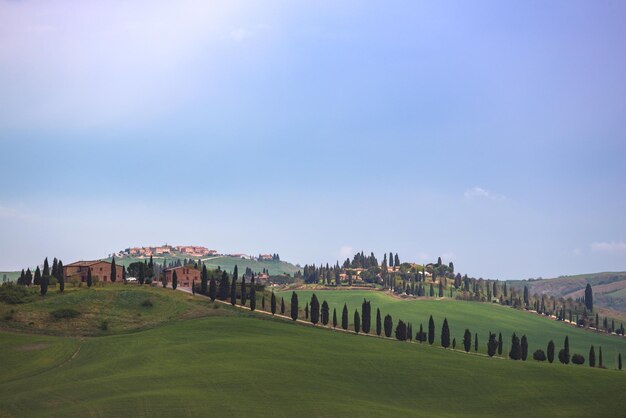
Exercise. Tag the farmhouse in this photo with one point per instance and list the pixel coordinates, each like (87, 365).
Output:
(184, 275)
(100, 270)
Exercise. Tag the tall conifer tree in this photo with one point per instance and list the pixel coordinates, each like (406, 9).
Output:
(294, 306)
(445, 334)
(357, 321)
(378, 322)
(273, 303)
(431, 331)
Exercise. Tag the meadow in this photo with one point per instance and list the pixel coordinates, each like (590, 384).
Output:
(477, 317)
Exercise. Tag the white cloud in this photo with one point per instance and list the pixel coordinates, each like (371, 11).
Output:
(345, 252)
(612, 247)
(577, 251)
(479, 192)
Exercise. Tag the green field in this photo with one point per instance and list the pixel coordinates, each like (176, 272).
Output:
(477, 317)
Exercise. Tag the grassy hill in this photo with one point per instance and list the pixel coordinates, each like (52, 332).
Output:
(609, 288)
(477, 317)
(235, 363)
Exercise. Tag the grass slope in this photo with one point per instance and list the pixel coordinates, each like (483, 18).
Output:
(121, 306)
(246, 366)
(477, 317)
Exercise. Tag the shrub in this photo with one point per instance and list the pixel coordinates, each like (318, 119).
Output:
(147, 303)
(578, 359)
(539, 355)
(13, 294)
(104, 325)
(65, 313)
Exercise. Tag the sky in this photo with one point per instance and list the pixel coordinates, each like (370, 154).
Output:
(492, 134)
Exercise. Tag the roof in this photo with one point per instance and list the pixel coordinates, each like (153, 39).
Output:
(86, 263)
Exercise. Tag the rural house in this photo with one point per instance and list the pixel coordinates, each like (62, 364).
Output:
(184, 274)
(100, 270)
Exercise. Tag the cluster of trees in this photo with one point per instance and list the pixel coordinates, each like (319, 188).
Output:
(44, 277)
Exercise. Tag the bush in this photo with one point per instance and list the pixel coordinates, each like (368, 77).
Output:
(65, 313)
(147, 303)
(13, 294)
(539, 355)
(104, 325)
(578, 359)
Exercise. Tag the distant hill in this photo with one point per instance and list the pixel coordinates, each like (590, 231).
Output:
(275, 267)
(609, 288)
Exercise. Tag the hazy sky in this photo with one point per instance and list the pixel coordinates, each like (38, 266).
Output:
(490, 133)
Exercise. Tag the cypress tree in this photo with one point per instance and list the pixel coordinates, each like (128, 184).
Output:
(325, 313)
(334, 318)
(294, 306)
(306, 311)
(357, 321)
(454, 343)
(431, 331)
(263, 302)
(252, 295)
(61, 276)
(524, 348)
(421, 337)
(224, 286)
(445, 334)
(366, 316)
(193, 287)
(344, 317)
(212, 288)
(499, 343)
(282, 306)
(516, 349)
(44, 285)
(564, 356)
(315, 310)
(592, 357)
(233, 292)
(89, 279)
(619, 361)
(37, 280)
(55, 268)
(388, 325)
(600, 363)
(204, 278)
(244, 296)
(378, 322)
(550, 351)
(46, 268)
(273, 303)
(589, 297)
(113, 270)
(476, 342)
(467, 340)
(492, 345)
(174, 281)
(401, 330)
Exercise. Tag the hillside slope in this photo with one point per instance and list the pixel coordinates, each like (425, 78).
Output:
(246, 366)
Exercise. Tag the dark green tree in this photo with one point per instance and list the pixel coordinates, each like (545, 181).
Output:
(357, 321)
(592, 357)
(252, 295)
(282, 306)
(421, 335)
(204, 279)
(37, 279)
(344, 317)
(46, 268)
(315, 309)
(516, 349)
(244, 295)
(334, 318)
(325, 313)
(619, 361)
(454, 343)
(273, 303)
(113, 270)
(431, 331)
(366, 316)
(564, 356)
(492, 345)
(89, 279)
(401, 330)
(212, 288)
(43, 287)
(550, 351)
(233, 292)
(499, 343)
(174, 280)
(526, 296)
(224, 287)
(445, 334)
(263, 302)
(476, 342)
(524, 347)
(467, 340)
(388, 325)
(589, 298)
(379, 325)
(61, 276)
(294, 306)
(600, 363)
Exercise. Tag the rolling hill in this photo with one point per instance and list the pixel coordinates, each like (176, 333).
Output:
(236, 363)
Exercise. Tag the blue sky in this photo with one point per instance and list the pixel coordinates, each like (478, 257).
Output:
(492, 133)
